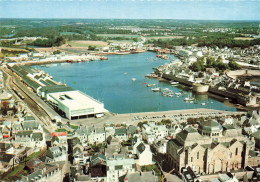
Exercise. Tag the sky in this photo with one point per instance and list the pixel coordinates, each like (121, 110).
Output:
(133, 9)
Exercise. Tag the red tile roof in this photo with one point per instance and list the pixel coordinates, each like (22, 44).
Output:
(58, 134)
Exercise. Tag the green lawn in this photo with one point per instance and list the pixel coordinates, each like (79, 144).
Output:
(73, 127)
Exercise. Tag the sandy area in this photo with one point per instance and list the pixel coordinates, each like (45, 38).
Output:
(165, 37)
(244, 38)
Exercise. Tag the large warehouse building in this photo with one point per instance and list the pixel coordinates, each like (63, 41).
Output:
(70, 103)
(75, 104)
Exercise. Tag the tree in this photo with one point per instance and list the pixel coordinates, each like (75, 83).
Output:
(91, 48)
(233, 65)
(200, 75)
(135, 39)
(210, 61)
(57, 52)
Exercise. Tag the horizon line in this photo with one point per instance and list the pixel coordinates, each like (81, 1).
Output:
(135, 19)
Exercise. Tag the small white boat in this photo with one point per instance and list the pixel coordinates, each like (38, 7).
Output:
(189, 99)
(203, 103)
(178, 94)
(133, 79)
(166, 89)
(156, 89)
(174, 83)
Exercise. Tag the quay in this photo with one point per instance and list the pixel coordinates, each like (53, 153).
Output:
(177, 116)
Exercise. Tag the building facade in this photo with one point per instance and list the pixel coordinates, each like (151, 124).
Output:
(210, 149)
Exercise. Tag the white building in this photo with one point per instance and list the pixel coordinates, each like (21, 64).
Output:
(117, 166)
(145, 156)
(75, 104)
(153, 132)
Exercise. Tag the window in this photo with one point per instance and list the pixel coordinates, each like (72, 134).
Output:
(236, 151)
(118, 167)
(191, 159)
(198, 155)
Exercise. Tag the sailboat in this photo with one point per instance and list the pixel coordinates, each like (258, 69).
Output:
(189, 98)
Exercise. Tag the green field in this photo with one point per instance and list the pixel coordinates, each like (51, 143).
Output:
(69, 33)
(85, 44)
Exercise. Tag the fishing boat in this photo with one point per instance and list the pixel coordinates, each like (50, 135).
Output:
(156, 89)
(203, 103)
(188, 99)
(148, 85)
(178, 94)
(133, 79)
(174, 83)
(103, 58)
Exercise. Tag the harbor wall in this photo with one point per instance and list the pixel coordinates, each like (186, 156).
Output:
(234, 74)
(180, 80)
(222, 93)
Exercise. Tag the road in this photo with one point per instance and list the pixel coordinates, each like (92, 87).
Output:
(177, 116)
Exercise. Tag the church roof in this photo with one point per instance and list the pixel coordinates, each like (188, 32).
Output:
(210, 126)
(188, 134)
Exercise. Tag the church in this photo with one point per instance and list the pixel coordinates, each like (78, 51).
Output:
(211, 148)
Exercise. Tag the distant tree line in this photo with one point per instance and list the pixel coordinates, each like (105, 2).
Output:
(50, 42)
(214, 40)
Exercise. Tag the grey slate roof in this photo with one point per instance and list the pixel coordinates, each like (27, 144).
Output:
(53, 152)
(31, 125)
(140, 148)
(29, 118)
(188, 134)
(84, 130)
(37, 135)
(24, 133)
(55, 88)
(256, 134)
(132, 129)
(120, 131)
(210, 126)
(140, 177)
(96, 156)
(99, 130)
(31, 83)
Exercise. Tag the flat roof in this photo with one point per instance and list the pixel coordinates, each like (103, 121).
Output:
(76, 100)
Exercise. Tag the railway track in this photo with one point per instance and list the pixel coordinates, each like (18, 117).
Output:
(15, 84)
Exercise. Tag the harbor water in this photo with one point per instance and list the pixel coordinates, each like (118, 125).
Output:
(120, 83)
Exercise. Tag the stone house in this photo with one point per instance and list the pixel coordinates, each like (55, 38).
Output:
(55, 154)
(33, 139)
(117, 166)
(97, 135)
(121, 134)
(152, 131)
(144, 154)
(43, 173)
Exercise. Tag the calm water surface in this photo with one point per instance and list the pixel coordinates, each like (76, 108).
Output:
(111, 83)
